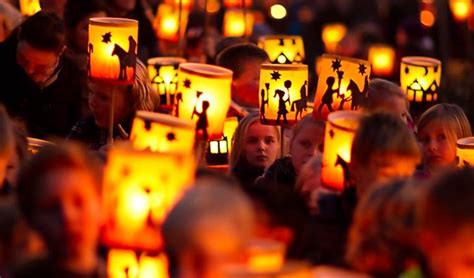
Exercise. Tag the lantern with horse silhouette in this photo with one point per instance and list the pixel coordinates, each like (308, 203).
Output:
(420, 78)
(203, 96)
(342, 84)
(163, 73)
(465, 151)
(283, 93)
(283, 49)
(112, 49)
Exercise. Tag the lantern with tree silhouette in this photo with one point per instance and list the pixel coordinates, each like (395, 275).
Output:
(420, 78)
(332, 34)
(465, 151)
(169, 23)
(238, 23)
(382, 59)
(29, 7)
(127, 263)
(283, 49)
(163, 73)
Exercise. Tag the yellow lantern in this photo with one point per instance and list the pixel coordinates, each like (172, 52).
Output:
(229, 4)
(29, 7)
(219, 150)
(283, 93)
(235, 25)
(265, 255)
(339, 134)
(162, 133)
(204, 96)
(35, 145)
(332, 34)
(127, 263)
(230, 126)
(461, 9)
(112, 49)
(167, 23)
(342, 84)
(382, 59)
(283, 49)
(465, 151)
(185, 4)
(420, 78)
(163, 73)
(140, 187)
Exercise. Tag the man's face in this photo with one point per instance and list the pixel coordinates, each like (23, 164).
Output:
(39, 65)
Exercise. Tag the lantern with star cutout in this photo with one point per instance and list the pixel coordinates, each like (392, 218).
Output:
(420, 78)
(163, 73)
(29, 7)
(465, 151)
(167, 22)
(283, 49)
(342, 84)
(204, 97)
(238, 23)
(112, 49)
(128, 263)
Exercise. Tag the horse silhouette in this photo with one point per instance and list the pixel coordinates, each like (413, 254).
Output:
(345, 169)
(126, 59)
(302, 103)
(357, 97)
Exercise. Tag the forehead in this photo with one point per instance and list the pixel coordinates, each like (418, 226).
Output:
(67, 181)
(258, 130)
(32, 54)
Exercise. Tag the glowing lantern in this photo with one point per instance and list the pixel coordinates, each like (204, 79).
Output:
(332, 34)
(127, 263)
(420, 78)
(283, 49)
(35, 145)
(29, 7)
(185, 4)
(465, 151)
(278, 11)
(235, 25)
(140, 188)
(162, 133)
(342, 84)
(204, 96)
(167, 23)
(461, 9)
(339, 134)
(382, 59)
(219, 150)
(112, 49)
(265, 255)
(283, 93)
(237, 3)
(163, 73)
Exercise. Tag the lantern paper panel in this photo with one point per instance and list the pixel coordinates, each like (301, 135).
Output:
(204, 96)
(283, 49)
(162, 133)
(332, 34)
(465, 151)
(140, 188)
(235, 25)
(461, 9)
(339, 134)
(167, 23)
(420, 78)
(112, 49)
(163, 73)
(29, 7)
(185, 4)
(382, 59)
(265, 255)
(342, 84)
(283, 93)
(128, 263)
(237, 3)
(218, 150)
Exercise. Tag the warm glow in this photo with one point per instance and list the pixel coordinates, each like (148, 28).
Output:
(125, 263)
(283, 49)
(213, 6)
(186, 4)
(234, 24)
(340, 131)
(230, 126)
(278, 11)
(200, 84)
(283, 93)
(420, 78)
(113, 46)
(166, 22)
(163, 73)
(465, 151)
(460, 9)
(382, 59)
(29, 7)
(427, 18)
(332, 34)
(265, 255)
(342, 84)
(237, 3)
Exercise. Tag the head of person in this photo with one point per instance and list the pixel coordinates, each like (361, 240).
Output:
(439, 128)
(7, 143)
(383, 148)
(127, 99)
(58, 194)
(228, 42)
(118, 7)
(446, 224)
(41, 42)
(54, 6)
(200, 239)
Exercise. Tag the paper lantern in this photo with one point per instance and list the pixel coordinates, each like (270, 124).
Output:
(162, 133)
(332, 34)
(420, 78)
(382, 59)
(29, 7)
(35, 145)
(229, 4)
(140, 188)
(218, 150)
(265, 255)
(112, 49)
(465, 151)
(163, 73)
(342, 84)
(167, 23)
(127, 263)
(461, 9)
(235, 25)
(204, 96)
(339, 134)
(185, 4)
(283, 49)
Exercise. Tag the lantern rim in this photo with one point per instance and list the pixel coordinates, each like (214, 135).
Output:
(465, 143)
(420, 61)
(278, 37)
(345, 114)
(206, 70)
(381, 45)
(113, 21)
(299, 67)
(166, 61)
(165, 119)
(345, 58)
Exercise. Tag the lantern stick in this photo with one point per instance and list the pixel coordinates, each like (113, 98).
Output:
(282, 140)
(110, 139)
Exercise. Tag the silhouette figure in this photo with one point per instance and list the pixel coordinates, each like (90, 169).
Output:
(263, 119)
(327, 96)
(357, 96)
(202, 123)
(282, 104)
(179, 98)
(126, 59)
(345, 169)
(90, 50)
(302, 103)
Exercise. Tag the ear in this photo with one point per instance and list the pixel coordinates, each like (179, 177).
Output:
(282, 234)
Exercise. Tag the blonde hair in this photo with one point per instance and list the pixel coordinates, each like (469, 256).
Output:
(143, 96)
(308, 119)
(380, 91)
(7, 136)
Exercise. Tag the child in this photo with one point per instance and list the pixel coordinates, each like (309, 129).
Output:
(438, 130)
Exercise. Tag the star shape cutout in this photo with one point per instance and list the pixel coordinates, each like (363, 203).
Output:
(187, 83)
(106, 37)
(362, 69)
(275, 75)
(171, 136)
(336, 65)
(331, 133)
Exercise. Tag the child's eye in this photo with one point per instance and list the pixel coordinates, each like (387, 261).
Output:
(252, 140)
(441, 136)
(305, 143)
(269, 140)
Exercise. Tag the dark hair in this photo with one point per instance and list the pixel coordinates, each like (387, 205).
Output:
(234, 56)
(76, 10)
(44, 31)
(228, 42)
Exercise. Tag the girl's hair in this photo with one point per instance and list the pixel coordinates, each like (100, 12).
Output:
(7, 136)
(308, 119)
(451, 117)
(380, 91)
(143, 95)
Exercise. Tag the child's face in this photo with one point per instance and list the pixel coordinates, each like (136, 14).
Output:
(100, 102)
(438, 151)
(396, 106)
(261, 145)
(308, 141)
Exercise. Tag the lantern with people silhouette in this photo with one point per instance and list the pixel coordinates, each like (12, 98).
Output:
(238, 23)
(420, 78)
(163, 73)
(283, 49)
(465, 151)
(127, 263)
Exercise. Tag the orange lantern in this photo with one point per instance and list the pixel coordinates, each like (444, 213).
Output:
(342, 84)
(204, 96)
(420, 78)
(29, 7)
(219, 150)
(185, 4)
(167, 23)
(140, 188)
(427, 13)
(127, 263)
(163, 73)
(112, 49)
(265, 255)
(465, 151)
(238, 23)
(283, 49)
(162, 133)
(461, 9)
(237, 3)
(339, 134)
(382, 59)
(332, 34)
